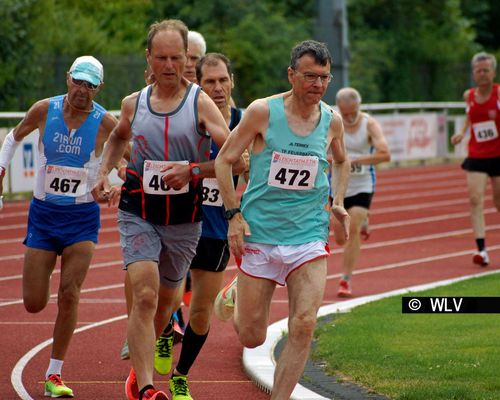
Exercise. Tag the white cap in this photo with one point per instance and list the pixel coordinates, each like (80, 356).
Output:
(87, 68)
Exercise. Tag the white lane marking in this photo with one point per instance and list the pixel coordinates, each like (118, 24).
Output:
(17, 372)
(259, 362)
(54, 295)
(414, 239)
(58, 270)
(435, 218)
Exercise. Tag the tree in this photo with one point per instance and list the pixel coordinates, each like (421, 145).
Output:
(405, 50)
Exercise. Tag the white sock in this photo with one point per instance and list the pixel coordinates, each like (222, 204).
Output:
(55, 367)
(346, 277)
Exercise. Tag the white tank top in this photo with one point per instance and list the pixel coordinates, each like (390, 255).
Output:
(362, 178)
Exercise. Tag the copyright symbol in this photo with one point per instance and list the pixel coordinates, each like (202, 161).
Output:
(414, 304)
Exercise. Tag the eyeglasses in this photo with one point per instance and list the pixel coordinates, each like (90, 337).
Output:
(85, 84)
(312, 77)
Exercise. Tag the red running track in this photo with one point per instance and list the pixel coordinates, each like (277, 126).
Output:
(420, 233)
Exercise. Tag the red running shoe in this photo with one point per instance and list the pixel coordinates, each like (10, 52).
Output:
(344, 289)
(153, 394)
(131, 388)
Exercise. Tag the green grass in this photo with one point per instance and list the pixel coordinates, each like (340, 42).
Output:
(417, 356)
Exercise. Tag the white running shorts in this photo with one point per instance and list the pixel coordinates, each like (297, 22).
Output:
(277, 262)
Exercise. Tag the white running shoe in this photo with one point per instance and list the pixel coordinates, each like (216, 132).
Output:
(226, 300)
(481, 258)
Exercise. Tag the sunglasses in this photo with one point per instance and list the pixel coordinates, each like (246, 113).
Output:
(85, 84)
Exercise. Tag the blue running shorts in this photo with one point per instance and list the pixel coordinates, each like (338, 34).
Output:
(53, 227)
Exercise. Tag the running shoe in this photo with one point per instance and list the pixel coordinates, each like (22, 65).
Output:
(131, 387)
(344, 289)
(186, 298)
(163, 353)
(178, 333)
(153, 394)
(124, 354)
(481, 258)
(179, 318)
(226, 300)
(55, 387)
(179, 388)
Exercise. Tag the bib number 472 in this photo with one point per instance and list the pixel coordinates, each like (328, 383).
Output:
(288, 177)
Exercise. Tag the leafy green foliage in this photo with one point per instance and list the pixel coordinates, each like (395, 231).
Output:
(405, 50)
(401, 50)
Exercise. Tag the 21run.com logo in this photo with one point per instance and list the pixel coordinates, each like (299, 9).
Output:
(450, 305)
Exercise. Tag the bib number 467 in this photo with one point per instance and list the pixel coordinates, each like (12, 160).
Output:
(65, 185)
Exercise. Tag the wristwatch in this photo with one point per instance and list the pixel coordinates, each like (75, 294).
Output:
(195, 172)
(231, 213)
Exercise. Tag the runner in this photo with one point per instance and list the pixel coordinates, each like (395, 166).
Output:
(483, 160)
(366, 147)
(63, 218)
(281, 231)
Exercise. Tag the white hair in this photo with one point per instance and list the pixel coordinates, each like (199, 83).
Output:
(348, 94)
(484, 56)
(198, 39)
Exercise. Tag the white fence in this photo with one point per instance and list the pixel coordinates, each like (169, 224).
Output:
(414, 131)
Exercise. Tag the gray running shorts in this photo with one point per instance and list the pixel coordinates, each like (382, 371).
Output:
(171, 246)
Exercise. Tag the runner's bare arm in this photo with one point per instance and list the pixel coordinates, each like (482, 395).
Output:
(377, 139)
(211, 119)
(120, 136)
(108, 123)
(34, 118)
(340, 171)
(113, 152)
(252, 124)
(458, 137)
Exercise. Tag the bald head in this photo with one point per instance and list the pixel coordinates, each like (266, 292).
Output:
(348, 101)
(348, 95)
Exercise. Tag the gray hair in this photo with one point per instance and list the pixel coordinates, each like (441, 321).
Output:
(348, 94)
(197, 38)
(315, 49)
(484, 56)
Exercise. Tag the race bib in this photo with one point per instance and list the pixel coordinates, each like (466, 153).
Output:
(293, 172)
(211, 193)
(358, 169)
(484, 131)
(65, 181)
(152, 178)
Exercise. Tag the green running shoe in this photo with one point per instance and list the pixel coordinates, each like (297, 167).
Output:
(124, 354)
(179, 388)
(55, 387)
(163, 353)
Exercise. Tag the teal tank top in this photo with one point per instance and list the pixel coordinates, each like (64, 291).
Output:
(286, 200)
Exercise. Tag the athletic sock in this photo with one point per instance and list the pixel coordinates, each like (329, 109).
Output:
(143, 390)
(55, 367)
(480, 244)
(346, 277)
(191, 347)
